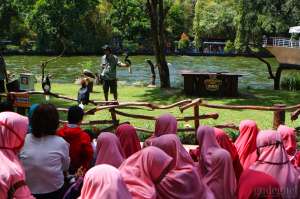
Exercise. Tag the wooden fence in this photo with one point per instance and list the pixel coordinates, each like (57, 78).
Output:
(116, 109)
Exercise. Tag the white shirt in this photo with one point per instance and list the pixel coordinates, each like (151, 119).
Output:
(44, 160)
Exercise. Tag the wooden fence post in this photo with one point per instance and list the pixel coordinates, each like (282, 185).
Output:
(114, 117)
(279, 116)
(196, 115)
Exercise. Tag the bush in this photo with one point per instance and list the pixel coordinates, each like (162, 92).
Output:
(291, 81)
(229, 47)
(130, 46)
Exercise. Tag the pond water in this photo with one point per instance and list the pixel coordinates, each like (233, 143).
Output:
(67, 69)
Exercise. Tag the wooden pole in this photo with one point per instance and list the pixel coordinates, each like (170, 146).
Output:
(279, 116)
(114, 117)
(196, 115)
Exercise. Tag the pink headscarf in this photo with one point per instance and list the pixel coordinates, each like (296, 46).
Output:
(143, 170)
(274, 161)
(224, 141)
(165, 124)
(128, 138)
(105, 182)
(109, 150)
(246, 143)
(257, 185)
(183, 180)
(288, 136)
(13, 128)
(215, 165)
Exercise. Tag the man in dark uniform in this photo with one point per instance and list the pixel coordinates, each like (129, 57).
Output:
(109, 72)
(3, 74)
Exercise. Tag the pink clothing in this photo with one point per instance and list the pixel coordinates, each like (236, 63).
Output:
(128, 138)
(183, 180)
(105, 182)
(274, 161)
(288, 136)
(215, 165)
(109, 150)
(246, 143)
(258, 185)
(225, 142)
(165, 124)
(143, 170)
(13, 128)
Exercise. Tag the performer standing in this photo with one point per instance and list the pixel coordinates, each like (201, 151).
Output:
(109, 72)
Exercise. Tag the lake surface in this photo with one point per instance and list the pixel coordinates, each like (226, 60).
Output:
(67, 69)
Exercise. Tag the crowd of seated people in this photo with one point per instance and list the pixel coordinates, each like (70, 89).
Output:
(37, 158)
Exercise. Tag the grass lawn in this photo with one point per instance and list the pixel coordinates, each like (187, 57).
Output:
(158, 96)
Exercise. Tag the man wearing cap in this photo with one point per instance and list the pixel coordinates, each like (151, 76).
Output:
(109, 72)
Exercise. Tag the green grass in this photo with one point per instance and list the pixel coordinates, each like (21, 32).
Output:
(164, 97)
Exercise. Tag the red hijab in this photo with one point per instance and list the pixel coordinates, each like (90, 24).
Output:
(128, 138)
(143, 170)
(256, 185)
(246, 143)
(288, 136)
(273, 160)
(109, 150)
(183, 180)
(225, 142)
(215, 165)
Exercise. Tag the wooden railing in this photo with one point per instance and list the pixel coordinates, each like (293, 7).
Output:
(115, 107)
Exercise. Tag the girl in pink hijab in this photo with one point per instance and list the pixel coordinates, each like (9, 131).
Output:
(215, 165)
(109, 150)
(13, 128)
(128, 138)
(225, 142)
(288, 136)
(273, 160)
(105, 182)
(143, 170)
(183, 180)
(165, 124)
(246, 143)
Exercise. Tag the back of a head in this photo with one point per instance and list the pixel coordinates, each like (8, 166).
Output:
(6, 106)
(75, 115)
(13, 128)
(288, 136)
(104, 181)
(165, 124)
(45, 120)
(206, 137)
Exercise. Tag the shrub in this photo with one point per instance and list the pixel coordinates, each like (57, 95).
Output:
(291, 81)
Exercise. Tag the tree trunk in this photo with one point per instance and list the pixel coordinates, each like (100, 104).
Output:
(157, 13)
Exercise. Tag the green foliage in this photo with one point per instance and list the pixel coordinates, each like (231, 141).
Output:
(130, 46)
(229, 47)
(214, 19)
(291, 81)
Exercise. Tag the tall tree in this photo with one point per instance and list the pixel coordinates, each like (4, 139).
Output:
(157, 11)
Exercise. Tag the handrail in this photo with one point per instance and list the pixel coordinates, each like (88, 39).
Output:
(281, 42)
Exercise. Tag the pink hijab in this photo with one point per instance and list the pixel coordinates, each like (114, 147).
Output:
(215, 165)
(109, 150)
(143, 170)
(13, 128)
(105, 182)
(128, 138)
(274, 161)
(183, 180)
(225, 142)
(258, 185)
(288, 136)
(246, 143)
(165, 124)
